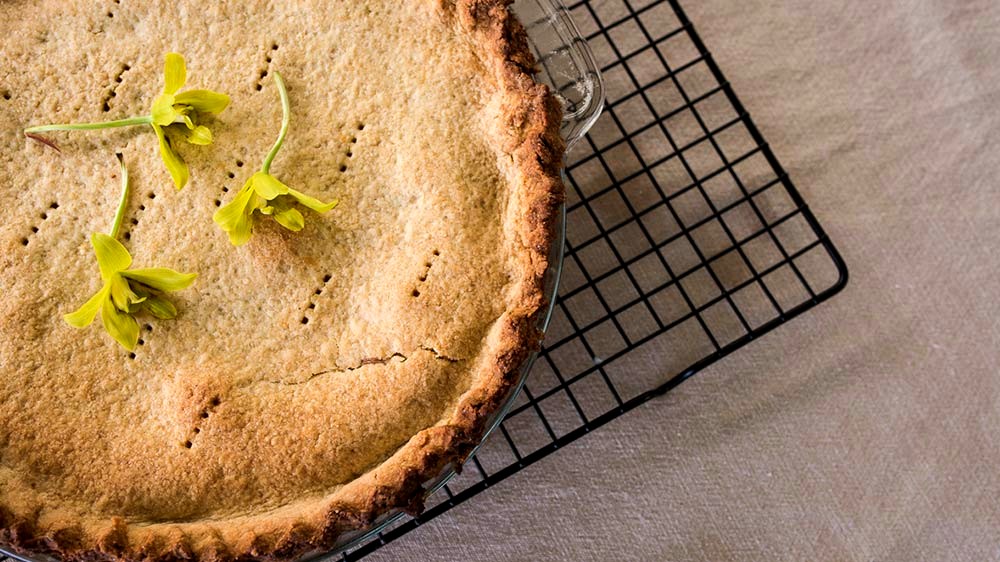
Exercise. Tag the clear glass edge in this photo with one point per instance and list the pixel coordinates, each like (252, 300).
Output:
(584, 118)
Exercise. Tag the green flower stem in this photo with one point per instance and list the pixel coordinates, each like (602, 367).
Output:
(131, 121)
(123, 202)
(286, 112)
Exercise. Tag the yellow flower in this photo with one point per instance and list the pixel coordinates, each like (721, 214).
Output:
(126, 292)
(170, 109)
(268, 196)
(264, 194)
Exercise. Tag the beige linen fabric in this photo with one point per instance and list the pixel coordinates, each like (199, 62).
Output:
(868, 428)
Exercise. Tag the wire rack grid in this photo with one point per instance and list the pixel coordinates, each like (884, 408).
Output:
(683, 233)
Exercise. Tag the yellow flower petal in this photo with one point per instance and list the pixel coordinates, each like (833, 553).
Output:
(122, 327)
(83, 316)
(174, 73)
(161, 278)
(205, 102)
(175, 165)
(200, 135)
(163, 112)
(290, 218)
(234, 218)
(312, 202)
(121, 294)
(160, 307)
(267, 186)
(112, 257)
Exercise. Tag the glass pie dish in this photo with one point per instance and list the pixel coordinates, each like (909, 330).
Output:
(567, 66)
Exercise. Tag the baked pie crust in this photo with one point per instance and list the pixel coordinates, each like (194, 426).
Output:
(312, 381)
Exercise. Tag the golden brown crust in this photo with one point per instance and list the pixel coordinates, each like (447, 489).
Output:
(531, 118)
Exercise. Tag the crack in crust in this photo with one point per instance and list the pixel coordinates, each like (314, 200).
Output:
(532, 117)
(361, 364)
(439, 355)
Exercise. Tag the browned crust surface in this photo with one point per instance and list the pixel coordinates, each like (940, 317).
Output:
(531, 126)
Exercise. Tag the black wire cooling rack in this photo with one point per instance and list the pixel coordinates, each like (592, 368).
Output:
(683, 231)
